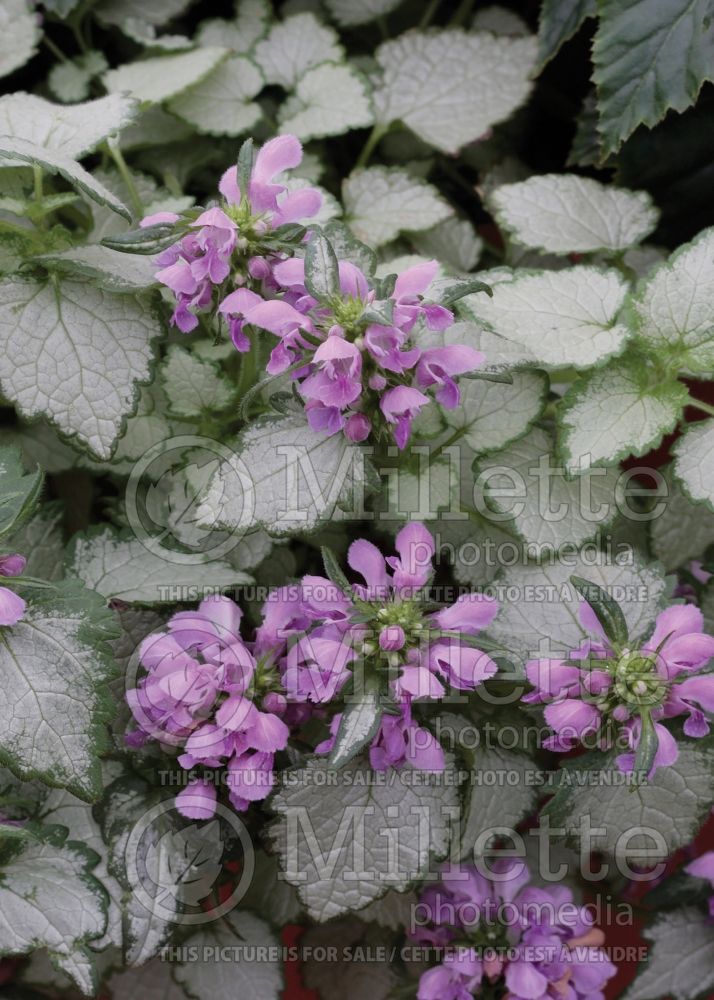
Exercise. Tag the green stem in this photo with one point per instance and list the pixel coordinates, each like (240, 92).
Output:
(79, 38)
(377, 133)
(246, 376)
(383, 26)
(704, 407)
(55, 49)
(38, 183)
(461, 13)
(123, 169)
(428, 14)
(39, 193)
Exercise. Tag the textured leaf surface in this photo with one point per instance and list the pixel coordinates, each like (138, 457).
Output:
(329, 99)
(49, 899)
(673, 307)
(449, 87)
(294, 46)
(494, 413)
(560, 317)
(679, 961)
(559, 20)
(40, 540)
(56, 668)
(161, 77)
(74, 130)
(617, 411)
(683, 530)
(74, 353)
(249, 977)
(564, 213)
(193, 385)
(350, 12)
(284, 477)
(407, 817)
(154, 12)
(453, 242)
(649, 58)
(694, 461)
(19, 490)
(123, 569)
(160, 861)
(498, 804)
(249, 25)
(153, 979)
(540, 609)
(381, 203)
(19, 35)
(109, 269)
(550, 511)
(13, 150)
(63, 808)
(673, 804)
(221, 104)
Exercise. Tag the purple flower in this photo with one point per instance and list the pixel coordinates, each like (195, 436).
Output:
(600, 691)
(438, 366)
(400, 405)
(267, 198)
(12, 606)
(703, 867)
(498, 933)
(197, 696)
(323, 637)
(230, 239)
(354, 364)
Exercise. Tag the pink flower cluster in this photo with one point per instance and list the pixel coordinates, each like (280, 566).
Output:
(198, 697)
(355, 359)
(599, 692)
(354, 363)
(228, 245)
(324, 635)
(498, 933)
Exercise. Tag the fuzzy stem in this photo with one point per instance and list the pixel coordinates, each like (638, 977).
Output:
(377, 133)
(461, 13)
(123, 169)
(428, 14)
(704, 407)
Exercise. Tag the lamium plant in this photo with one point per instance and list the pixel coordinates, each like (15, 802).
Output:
(356, 500)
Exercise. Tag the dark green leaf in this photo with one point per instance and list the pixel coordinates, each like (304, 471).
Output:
(650, 57)
(559, 21)
(150, 240)
(322, 274)
(245, 167)
(608, 611)
(334, 570)
(19, 491)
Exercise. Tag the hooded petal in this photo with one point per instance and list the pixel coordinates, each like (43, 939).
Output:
(228, 185)
(365, 558)
(572, 717)
(12, 607)
(267, 732)
(525, 981)
(197, 800)
(416, 547)
(297, 205)
(470, 613)
(679, 619)
(415, 280)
